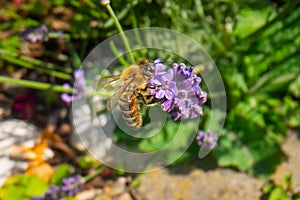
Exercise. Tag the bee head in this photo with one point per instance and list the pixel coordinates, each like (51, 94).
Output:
(148, 69)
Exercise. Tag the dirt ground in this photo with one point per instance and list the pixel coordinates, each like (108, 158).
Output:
(213, 184)
(194, 181)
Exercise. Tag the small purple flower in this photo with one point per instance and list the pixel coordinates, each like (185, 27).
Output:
(38, 34)
(177, 90)
(207, 139)
(72, 185)
(158, 60)
(65, 96)
(79, 89)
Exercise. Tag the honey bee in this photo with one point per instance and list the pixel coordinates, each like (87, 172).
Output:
(135, 80)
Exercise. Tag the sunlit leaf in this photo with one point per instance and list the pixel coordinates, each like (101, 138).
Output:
(20, 187)
(60, 173)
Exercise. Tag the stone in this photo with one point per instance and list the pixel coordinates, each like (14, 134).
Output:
(292, 164)
(90, 194)
(14, 132)
(199, 184)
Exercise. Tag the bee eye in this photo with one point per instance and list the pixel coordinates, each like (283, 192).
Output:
(147, 67)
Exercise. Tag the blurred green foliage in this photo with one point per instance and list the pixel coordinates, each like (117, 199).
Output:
(255, 45)
(61, 172)
(22, 187)
(282, 191)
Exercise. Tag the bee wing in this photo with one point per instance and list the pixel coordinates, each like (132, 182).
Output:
(113, 100)
(102, 82)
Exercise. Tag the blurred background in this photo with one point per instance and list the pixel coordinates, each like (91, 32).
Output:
(256, 47)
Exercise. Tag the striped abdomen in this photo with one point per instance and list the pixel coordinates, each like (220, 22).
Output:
(130, 110)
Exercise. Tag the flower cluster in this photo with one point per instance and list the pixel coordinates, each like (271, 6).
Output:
(38, 34)
(79, 90)
(70, 186)
(207, 139)
(178, 90)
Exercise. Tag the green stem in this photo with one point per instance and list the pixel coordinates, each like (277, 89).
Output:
(30, 64)
(214, 39)
(46, 86)
(124, 12)
(35, 85)
(120, 29)
(94, 174)
(75, 59)
(30, 61)
(280, 16)
(117, 53)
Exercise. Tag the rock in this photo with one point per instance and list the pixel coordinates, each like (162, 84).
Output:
(199, 184)
(292, 165)
(117, 188)
(104, 197)
(14, 132)
(89, 194)
(125, 196)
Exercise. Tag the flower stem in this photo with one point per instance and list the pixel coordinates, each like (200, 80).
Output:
(35, 85)
(31, 63)
(94, 174)
(120, 29)
(201, 14)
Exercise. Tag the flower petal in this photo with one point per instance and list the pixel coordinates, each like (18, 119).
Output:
(160, 94)
(166, 105)
(169, 95)
(66, 98)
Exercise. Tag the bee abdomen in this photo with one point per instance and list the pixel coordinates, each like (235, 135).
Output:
(130, 110)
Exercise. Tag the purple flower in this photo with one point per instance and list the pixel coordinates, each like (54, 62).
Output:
(79, 89)
(72, 185)
(178, 90)
(38, 34)
(207, 139)
(168, 91)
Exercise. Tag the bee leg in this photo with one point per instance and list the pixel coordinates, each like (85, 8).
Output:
(146, 97)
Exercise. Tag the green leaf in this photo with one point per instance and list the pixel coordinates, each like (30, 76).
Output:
(61, 172)
(294, 87)
(175, 137)
(250, 20)
(250, 145)
(278, 194)
(230, 153)
(20, 187)
(87, 162)
(268, 188)
(35, 186)
(240, 82)
(287, 181)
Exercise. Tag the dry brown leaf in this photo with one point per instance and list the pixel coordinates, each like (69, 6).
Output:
(40, 169)
(36, 154)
